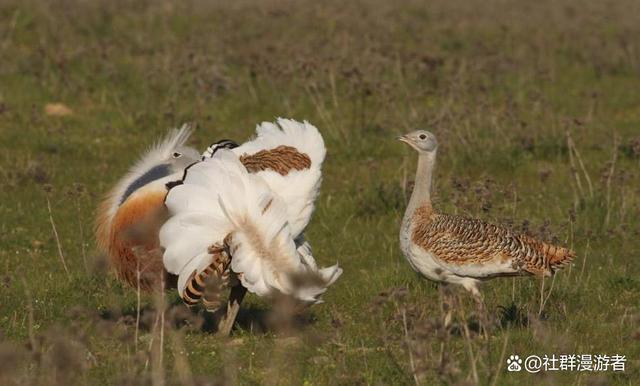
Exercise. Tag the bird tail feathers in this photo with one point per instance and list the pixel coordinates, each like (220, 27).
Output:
(260, 244)
(302, 136)
(264, 254)
(558, 257)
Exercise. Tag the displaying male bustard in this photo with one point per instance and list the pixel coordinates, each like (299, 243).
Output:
(461, 250)
(236, 220)
(231, 217)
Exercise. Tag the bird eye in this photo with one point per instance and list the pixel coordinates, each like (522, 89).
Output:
(422, 136)
(177, 155)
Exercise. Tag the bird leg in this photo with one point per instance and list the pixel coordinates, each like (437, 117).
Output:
(446, 305)
(483, 318)
(231, 311)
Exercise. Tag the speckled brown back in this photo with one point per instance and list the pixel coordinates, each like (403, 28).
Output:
(282, 160)
(460, 240)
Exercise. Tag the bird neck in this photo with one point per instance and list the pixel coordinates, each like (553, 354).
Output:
(421, 195)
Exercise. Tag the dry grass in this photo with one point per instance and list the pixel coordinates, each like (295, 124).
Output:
(535, 106)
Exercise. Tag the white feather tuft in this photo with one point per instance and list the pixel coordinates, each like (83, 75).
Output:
(158, 154)
(314, 282)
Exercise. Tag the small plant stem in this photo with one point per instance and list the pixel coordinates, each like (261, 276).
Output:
(408, 342)
(55, 235)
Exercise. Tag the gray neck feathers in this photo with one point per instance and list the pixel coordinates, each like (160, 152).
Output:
(422, 189)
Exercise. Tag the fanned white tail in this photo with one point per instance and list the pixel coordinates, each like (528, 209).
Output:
(303, 136)
(318, 280)
(298, 188)
(219, 198)
(262, 250)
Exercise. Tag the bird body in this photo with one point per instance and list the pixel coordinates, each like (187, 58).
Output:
(461, 250)
(288, 157)
(231, 218)
(131, 214)
(238, 216)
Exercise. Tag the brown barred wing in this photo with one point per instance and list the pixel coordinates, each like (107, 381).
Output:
(474, 248)
(282, 160)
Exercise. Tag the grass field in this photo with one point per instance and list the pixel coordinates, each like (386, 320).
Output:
(537, 111)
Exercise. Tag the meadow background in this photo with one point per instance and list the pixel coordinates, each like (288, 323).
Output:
(537, 109)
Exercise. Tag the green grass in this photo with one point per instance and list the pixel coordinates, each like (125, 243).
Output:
(499, 83)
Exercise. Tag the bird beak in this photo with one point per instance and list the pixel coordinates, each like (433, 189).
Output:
(403, 138)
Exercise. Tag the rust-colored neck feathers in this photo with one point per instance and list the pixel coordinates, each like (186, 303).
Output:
(133, 247)
(421, 218)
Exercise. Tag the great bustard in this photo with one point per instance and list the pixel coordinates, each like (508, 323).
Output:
(460, 250)
(236, 221)
(231, 218)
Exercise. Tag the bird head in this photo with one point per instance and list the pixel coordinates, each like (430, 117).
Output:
(183, 156)
(421, 140)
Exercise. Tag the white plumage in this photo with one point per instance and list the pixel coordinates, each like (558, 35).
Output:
(255, 200)
(298, 188)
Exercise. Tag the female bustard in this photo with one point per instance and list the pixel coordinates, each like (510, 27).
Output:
(460, 250)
